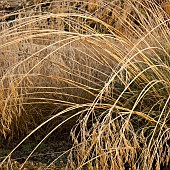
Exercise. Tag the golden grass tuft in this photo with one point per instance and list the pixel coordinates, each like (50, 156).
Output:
(104, 64)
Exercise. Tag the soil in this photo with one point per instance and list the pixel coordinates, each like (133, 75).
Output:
(47, 152)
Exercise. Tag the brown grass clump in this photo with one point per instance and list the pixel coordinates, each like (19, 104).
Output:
(102, 64)
(30, 165)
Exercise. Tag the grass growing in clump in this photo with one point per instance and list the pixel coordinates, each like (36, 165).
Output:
(109, 81)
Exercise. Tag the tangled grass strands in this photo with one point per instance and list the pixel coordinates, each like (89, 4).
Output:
(62, 112)
(110, 69)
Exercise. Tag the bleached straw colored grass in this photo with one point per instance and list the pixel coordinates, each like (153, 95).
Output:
(116, 82)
